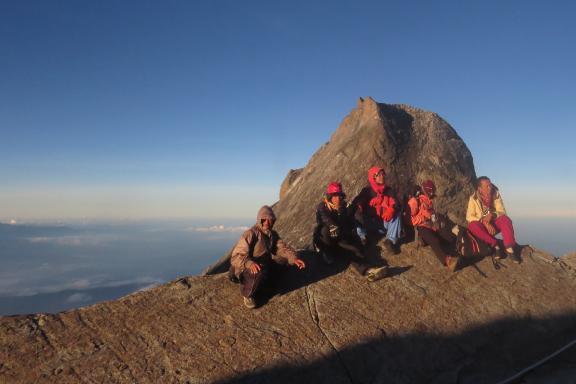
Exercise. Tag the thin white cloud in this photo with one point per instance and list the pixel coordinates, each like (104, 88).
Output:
(78, 298)
(218, 228)
(74, 241)
(149, 286)
(99, 281)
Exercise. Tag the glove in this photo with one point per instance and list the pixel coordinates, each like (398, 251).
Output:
(334, 231)
(388, 214)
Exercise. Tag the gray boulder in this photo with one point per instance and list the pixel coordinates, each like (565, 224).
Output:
(411, 144)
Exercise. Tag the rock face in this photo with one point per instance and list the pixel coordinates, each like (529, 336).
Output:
(325, 324)
(411, 144)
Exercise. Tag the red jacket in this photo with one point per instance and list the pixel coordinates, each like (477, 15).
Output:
(373, 200)
(421, 210)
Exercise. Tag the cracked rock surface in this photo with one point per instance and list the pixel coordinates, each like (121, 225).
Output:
(326, 325)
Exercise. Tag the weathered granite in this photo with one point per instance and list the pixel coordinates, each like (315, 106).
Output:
(327, 325)
(411, 144)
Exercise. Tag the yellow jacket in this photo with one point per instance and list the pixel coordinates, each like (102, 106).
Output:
(476, 210)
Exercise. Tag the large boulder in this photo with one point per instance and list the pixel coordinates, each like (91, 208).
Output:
(411, 144)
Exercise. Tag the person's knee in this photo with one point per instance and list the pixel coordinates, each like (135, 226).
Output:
(475, 225)
(505, 220)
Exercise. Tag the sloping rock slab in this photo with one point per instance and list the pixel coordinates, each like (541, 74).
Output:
(327, 325)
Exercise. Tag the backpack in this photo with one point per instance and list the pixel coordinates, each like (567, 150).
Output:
(469, 246)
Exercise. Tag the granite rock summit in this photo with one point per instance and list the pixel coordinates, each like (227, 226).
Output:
(411, 144)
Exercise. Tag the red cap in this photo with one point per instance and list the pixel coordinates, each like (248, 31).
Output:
(334, 188)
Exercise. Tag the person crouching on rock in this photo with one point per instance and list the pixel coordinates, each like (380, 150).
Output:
(376, 210)
(434, 229)
(487, 217)
(257, 249)
(335, 231)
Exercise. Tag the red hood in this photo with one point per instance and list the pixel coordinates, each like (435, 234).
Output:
(378, 188)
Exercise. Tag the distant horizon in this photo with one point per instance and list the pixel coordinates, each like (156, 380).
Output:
(552, 234)
(95, 219)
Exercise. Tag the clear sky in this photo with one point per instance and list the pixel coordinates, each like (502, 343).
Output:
(132, 109)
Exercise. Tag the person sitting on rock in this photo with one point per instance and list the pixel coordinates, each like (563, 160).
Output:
(335, 231)
(434, 229)
(376, 211)
(253, 254)
(487, 217)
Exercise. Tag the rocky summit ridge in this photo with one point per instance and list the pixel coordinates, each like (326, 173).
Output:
(325, 324)
(411, 144)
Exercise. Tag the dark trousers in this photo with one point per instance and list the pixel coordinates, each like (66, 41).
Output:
(250, 283)
(442, 241)
(332, 245)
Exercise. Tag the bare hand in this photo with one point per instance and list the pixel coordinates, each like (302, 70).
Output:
(255, 268)
(299, 264)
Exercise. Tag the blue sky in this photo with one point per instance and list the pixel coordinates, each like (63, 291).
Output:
(117, 109)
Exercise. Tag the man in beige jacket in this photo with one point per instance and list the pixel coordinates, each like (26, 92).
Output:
(487, 217)
(257, 249)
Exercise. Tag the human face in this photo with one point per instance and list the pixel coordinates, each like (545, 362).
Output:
(336, 200)
(379, 177)
(485, 187)
(267, 224)
(429, 192)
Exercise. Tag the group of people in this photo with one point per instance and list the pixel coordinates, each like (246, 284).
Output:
(349, 228)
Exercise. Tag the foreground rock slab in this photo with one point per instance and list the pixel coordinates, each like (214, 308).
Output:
(326, 325)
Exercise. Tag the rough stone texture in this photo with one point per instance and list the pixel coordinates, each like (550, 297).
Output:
(289, 181)
(327, 325)
(570, 259)
(411, 144)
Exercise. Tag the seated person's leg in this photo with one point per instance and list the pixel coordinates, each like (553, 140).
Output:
(251, 282)
(350, 244)
(393, 228)
(326, 244)
(479, 231)
(431, 238)
(504, 225)
(362, 233)
(323, 239)
(447, 235)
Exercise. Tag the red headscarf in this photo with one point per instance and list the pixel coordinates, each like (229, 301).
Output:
(378, 188)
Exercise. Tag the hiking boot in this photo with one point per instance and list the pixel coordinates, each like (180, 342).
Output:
(453, 263)
(249, 302)
(498, 251)
(374, 274)
(513, 256)
(389, 247)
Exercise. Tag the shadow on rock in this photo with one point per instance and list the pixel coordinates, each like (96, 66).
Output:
(423, 357)
(288, 279)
